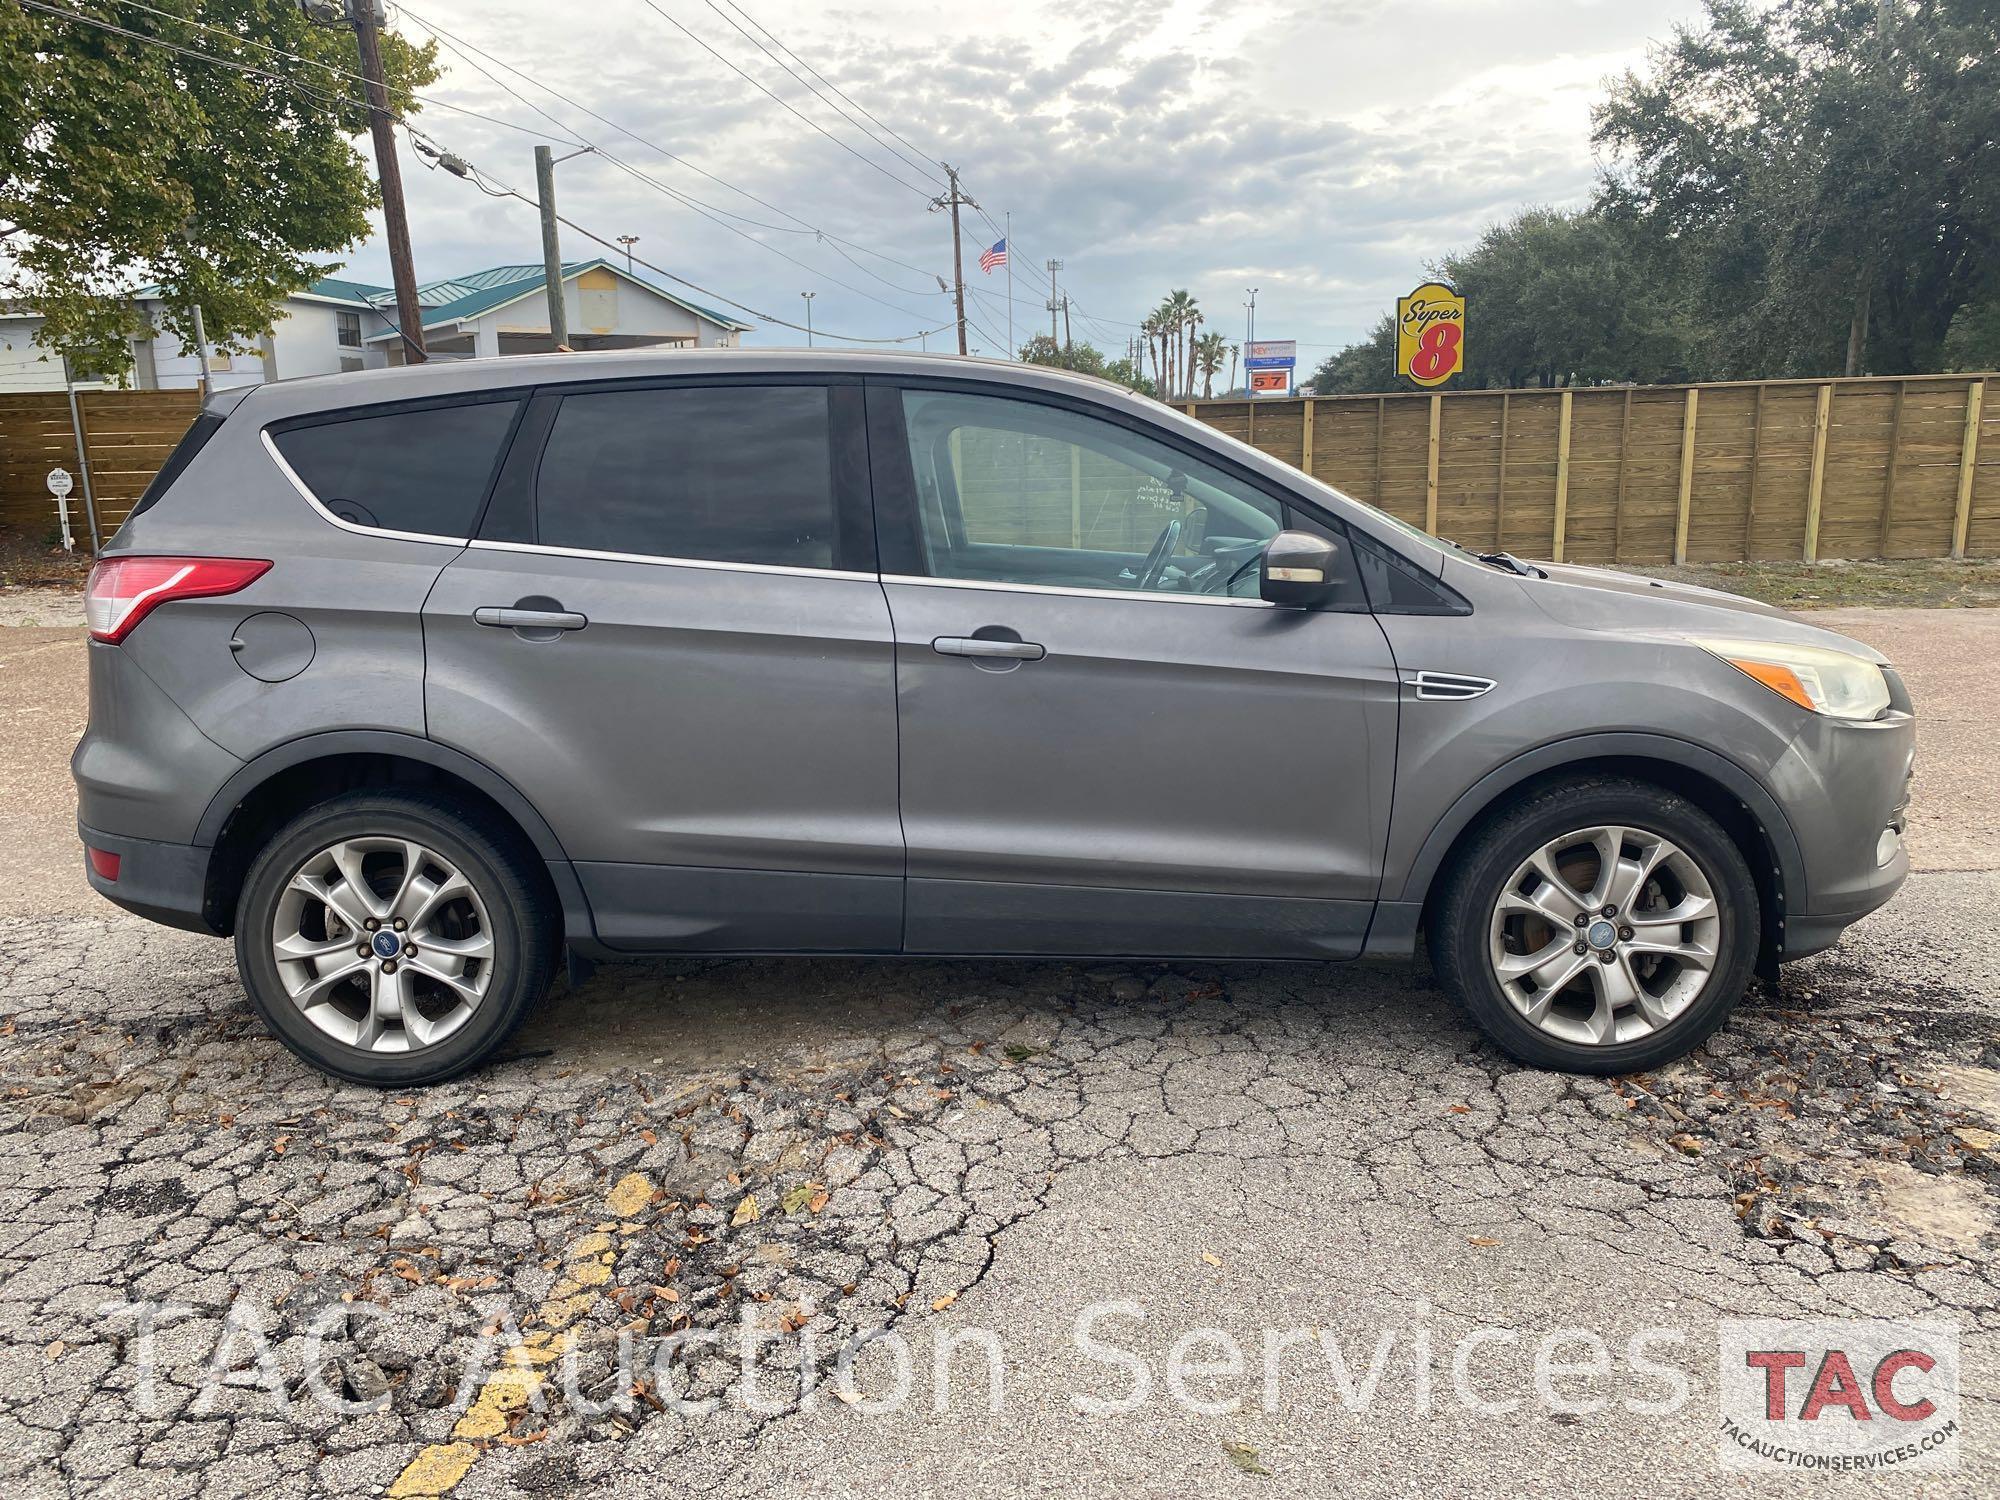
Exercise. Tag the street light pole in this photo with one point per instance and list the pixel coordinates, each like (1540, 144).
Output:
(1249, 338)
(808, 296)
(628, 241)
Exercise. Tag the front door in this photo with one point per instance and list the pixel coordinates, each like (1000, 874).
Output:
(1109, 743)
(670, 638)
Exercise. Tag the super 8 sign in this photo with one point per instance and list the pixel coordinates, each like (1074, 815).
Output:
(1430, 334)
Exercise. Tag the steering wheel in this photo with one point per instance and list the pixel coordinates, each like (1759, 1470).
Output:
(1154, 568)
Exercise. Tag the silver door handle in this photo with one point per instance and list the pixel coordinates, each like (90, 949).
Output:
(965, 645)
(529, 619)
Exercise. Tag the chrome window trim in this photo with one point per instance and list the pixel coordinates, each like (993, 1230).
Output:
(545, 549)
(331, 519)
(1076, 593)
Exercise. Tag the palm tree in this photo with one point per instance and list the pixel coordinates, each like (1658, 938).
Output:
(1208, 359)
(1234, 351)
(1151, 329)
(1180, 316)
(1165, 327)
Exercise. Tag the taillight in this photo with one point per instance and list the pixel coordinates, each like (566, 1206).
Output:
(103, 863)
(123, 590)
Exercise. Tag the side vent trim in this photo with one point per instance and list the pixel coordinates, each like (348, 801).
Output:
(1450, 687)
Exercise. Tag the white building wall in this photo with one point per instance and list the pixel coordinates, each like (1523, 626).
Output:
(306, 341)
(24, 364)
(178, 368)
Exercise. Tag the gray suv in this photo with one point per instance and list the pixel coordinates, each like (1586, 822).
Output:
(418, 681)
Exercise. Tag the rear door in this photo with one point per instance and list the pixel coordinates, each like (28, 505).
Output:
(671, 638)
(1110, 744)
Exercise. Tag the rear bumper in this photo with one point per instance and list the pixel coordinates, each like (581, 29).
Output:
(159, 881)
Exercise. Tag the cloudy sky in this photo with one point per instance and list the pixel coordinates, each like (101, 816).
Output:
(1320, 150)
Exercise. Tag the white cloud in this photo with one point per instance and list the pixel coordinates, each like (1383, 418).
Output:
(1319, 151)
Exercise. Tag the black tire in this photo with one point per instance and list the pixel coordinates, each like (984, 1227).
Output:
(522, 920)
(1461, 930)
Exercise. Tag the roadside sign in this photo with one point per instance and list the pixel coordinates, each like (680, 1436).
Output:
(60, 484)
(1430, 334)
(1270, 364)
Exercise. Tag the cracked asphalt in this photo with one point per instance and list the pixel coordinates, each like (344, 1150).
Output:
(926, 1155)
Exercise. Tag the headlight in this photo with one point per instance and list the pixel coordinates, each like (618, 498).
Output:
(1836, 683)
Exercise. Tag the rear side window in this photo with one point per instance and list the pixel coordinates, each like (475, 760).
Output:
(205, 427)
(422, 470)
(738, 474)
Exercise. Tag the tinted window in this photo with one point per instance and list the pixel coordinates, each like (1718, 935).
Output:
(424, 470)
(724, 474)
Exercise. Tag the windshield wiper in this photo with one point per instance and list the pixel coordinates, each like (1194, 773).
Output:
(1503, 560)
(1512, 563)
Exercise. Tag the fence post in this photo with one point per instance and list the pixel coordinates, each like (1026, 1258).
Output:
(1756, 459)
(1381, 408)
(1618, 505)
(1821, 416)
(1562, 479)
(1431, 468)
(1500, 487)
(83, 464)
(1968, 466)
(1687, 478)
(1306, 438)
(1889, 475)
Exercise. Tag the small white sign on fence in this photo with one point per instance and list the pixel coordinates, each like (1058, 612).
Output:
(60, 484)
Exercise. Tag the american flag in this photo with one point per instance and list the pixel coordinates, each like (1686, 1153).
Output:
(996, 256)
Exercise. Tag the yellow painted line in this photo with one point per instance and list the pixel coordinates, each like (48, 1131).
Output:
(523, 1371)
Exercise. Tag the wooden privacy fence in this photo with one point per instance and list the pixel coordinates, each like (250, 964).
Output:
(126, 436)
(1754, 470)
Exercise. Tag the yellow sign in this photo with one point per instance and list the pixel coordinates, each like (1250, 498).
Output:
(1430, 334)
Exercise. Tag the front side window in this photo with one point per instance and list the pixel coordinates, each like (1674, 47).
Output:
(740, 474)
(423, 469)
(1015, 491)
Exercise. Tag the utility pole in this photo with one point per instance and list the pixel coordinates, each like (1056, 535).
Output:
(1054, 266)
(1067, 345)
(952, 198)
(395, 222)
(808, 296)
(1007, 244)
(552, 274)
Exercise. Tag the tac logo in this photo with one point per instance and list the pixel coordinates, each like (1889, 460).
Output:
(1430, 334)
(1838, 1396)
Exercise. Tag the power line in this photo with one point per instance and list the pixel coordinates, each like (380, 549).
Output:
(253, 71)
(455, 43)
(502, 190)
(786, 104)
(918, 162)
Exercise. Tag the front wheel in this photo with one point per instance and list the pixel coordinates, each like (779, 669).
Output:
(1599, 925)
(392, 938)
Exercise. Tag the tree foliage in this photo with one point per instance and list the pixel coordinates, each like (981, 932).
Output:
(1086, 359)
(123, 162)
(1785, 180)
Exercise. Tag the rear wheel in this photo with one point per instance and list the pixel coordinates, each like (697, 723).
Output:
(1598, 926)
(394, 939)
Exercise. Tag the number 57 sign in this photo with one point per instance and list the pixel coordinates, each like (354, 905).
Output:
(1430, 334)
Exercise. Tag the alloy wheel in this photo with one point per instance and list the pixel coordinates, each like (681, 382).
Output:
(383, 944)
(1605, 935)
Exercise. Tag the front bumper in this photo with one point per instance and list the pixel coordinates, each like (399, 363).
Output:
(162, 882)
(1845, 788)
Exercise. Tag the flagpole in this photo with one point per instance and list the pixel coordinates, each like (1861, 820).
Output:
(1011, 354)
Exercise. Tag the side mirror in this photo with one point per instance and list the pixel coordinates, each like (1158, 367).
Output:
(1298, 569)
